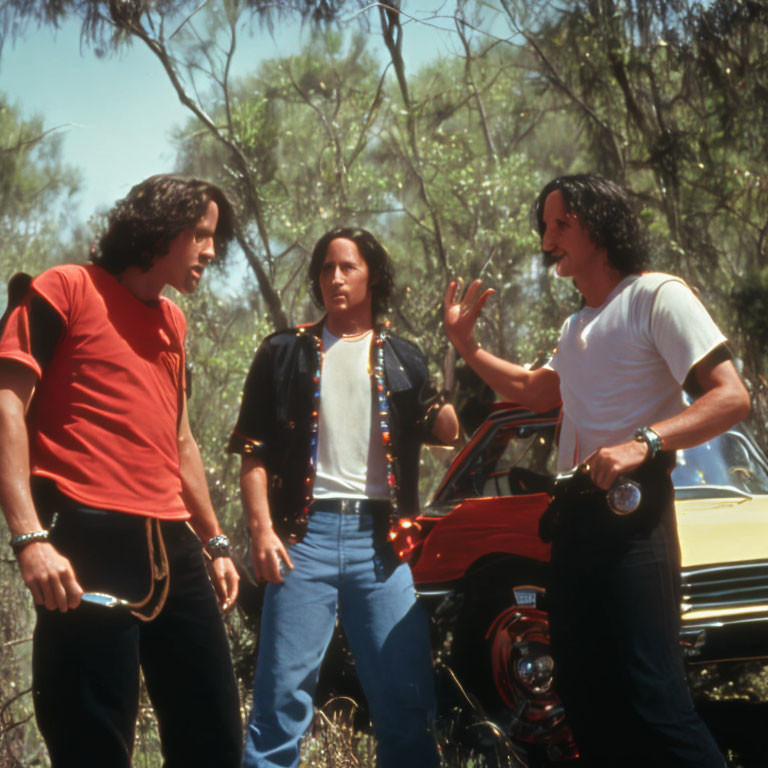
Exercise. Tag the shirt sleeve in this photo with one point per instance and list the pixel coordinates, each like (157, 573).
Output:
(33, 328)
(254, 431)
(682, 330)
(429, 402)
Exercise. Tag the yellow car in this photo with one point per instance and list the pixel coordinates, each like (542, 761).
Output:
(721, 492)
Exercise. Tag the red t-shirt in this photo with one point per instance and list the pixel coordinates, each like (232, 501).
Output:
(104, 419)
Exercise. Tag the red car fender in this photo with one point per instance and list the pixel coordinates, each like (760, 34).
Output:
(478, 527)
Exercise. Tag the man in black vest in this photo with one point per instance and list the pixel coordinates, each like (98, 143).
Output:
(332, 420)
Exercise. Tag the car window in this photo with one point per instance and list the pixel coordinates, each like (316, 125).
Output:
(730, 461)
(515, 459)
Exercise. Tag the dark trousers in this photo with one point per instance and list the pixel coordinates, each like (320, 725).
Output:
(614, 622)
(86, 662)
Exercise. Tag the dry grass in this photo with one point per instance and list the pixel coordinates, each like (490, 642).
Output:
(333, 741)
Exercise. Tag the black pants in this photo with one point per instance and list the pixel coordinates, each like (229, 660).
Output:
(86, 662)
(614, 622)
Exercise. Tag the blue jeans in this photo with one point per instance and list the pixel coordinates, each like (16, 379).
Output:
(343, 563)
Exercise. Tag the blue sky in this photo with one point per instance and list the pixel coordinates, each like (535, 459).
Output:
(119, 111)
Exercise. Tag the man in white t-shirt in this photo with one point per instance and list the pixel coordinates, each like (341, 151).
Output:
(332, 420)
(620, 369)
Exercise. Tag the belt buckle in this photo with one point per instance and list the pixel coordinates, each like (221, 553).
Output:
(350, 506)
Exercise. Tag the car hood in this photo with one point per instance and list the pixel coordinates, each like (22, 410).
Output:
(722, 530)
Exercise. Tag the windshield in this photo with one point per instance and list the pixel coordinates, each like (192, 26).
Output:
(731, 462)
(517, 458)
(514, 459)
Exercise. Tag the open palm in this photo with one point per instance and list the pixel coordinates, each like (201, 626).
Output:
(460, 316)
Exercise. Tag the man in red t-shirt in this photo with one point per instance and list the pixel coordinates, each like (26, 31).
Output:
(101, 480)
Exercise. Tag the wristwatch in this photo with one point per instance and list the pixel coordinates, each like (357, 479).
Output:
(218, 546)
(651, 438)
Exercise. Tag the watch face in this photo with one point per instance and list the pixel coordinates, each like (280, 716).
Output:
(218, 546)
(624, 497)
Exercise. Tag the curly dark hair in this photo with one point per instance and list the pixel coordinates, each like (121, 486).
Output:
(381, 272)
(604, 208)
(142, 225)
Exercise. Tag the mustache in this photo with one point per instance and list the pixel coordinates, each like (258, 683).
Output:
(548, 258)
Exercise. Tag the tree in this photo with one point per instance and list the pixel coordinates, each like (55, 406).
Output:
(169, 29)
(37, 192)
(332, 144)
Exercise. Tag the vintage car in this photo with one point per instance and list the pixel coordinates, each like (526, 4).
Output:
(480, 567)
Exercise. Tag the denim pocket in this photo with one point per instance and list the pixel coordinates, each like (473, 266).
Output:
(384, 562)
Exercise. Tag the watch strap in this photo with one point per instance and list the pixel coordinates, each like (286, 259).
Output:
(651, 438)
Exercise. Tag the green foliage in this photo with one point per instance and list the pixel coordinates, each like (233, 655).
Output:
(222, 336)
(104, 20)
(328, 139)
(37, 191)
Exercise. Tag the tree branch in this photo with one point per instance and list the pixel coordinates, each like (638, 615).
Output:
(132, 25)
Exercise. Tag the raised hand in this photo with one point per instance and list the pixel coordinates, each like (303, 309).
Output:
(460, 316)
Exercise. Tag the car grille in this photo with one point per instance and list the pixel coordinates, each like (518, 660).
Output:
(732, 585)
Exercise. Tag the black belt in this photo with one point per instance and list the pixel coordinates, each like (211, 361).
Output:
(352, 506)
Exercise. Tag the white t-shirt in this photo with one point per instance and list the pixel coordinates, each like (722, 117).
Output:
(350, 453)
(622, 364)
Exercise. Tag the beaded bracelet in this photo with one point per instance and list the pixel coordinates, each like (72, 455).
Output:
(19, 542)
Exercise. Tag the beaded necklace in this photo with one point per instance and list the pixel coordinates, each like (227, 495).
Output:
(382, 395)
(313, 430)
(384, 418)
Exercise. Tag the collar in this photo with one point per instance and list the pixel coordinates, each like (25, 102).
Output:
(380, 330)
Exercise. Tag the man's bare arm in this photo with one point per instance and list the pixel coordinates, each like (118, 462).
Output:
(724, 402)
(538, 390)
(48, 575)
(267, 550)
(197, 499)
(446, 427)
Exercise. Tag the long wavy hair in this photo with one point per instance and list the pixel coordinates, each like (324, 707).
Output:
(381, 272)
(142, 225)
(604, 208)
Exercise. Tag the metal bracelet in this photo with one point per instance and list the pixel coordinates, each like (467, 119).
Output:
(19, 542)
(651, 438)
(218, 546)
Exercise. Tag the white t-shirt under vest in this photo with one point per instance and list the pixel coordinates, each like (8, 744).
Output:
(350, 452)
(622, 364)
